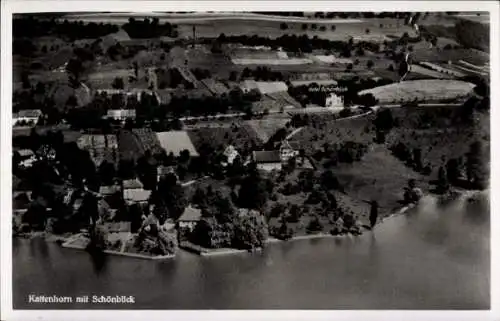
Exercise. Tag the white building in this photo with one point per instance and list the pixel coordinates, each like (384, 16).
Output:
(27, 117)
(334, 101)
(231, 153)
(121, 114)
(189, 218)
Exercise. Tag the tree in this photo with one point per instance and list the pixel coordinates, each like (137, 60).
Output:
(75, 68)
(250, 231)
(283, 26)
(369, 64)
(172, 194)
(107, 172)
(349, 67)
(98, 236)
(390, 68)
(442, 181)
(322, 28)
(417, 159)
(373, 213)
(254, 191)
(367, 31)
(329, 181)
(25, 80)
(233, 76)
(118, 83)
(367, 100)
(475, 166)
(314, 225)
(453, 170)
(384, 120)
(333, 27)
(304, 26)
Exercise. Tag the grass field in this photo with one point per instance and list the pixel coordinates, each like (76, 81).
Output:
(241, 137)
(267, 127)
(175, 142)
(324, 129)
(439, 132)
(422, 90)
(378, 176)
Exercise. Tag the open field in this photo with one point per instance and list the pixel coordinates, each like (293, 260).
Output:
(428, 72)
(213, 24)
(218, 138)
(435, 55)
(422, 90)
(175, 142)
(378, 176)
(325, 129)
(267, 127)
(439, 132)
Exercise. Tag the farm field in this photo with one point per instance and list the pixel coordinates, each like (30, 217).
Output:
(439, 132)
(265, 128)
(218, 138)
(428, 72)
(175, 142)
(355, 28)
(378, 176)
(422, 90)
(435, 55)
(325, 129)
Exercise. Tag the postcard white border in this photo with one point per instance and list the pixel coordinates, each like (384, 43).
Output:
(22, 6)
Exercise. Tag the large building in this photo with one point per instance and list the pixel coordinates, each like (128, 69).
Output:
(27, 117)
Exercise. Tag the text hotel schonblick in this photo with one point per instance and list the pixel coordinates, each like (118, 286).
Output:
(97, 299)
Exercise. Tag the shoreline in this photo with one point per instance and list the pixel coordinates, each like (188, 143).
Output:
(68, 245)
(65, 241)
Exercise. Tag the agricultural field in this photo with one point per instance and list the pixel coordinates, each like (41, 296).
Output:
(218, 138)
(148, 139)
(378, 176)
(439, 132)
(175, 142)
(267, 127)
(100, 147)
(327, 129)
(454, 55)
(129, 146)
(416, 69)
(379, 29)
(431, 90)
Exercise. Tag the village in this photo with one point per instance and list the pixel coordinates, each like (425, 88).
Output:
(143, 144)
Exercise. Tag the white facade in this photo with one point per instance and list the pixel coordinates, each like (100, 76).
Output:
(231, 153)
(268, 166)
(332, 100)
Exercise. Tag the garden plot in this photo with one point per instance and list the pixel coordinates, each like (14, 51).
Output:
(433, 90)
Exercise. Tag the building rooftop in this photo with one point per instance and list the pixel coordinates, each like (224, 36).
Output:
(190, 214)
(136, 195)
(272, 156)
(109, 190)
(29, 113)
(121, 113)
(132, 184)
(25, 152)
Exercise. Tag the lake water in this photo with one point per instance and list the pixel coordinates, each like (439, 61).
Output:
(422, 260)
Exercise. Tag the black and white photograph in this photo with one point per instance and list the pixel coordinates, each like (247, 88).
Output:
(262, 159)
